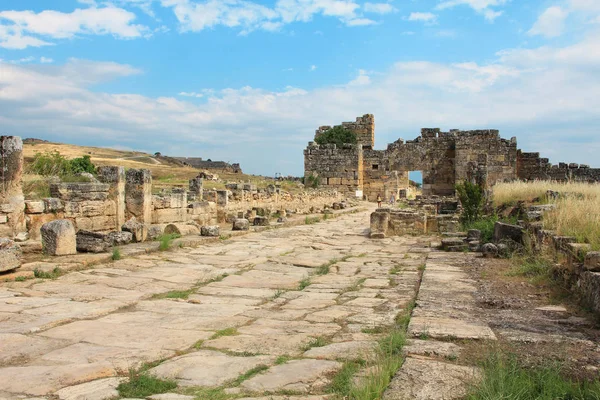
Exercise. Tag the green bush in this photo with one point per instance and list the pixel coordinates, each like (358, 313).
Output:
(313, 181)
(472, 199)
(337, 135)
(52, 163)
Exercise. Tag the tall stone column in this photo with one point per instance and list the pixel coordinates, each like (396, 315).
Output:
(115, 177)
(12, 201)
(138, 195)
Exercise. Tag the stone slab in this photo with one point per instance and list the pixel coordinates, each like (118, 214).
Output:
(207, 368)
(102, 389)
(420, 379)
(303, 376)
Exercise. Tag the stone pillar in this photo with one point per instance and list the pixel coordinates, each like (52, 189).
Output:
(138, 195)
(222, 198)
(115, 177)
(196, 185)
(12, 202)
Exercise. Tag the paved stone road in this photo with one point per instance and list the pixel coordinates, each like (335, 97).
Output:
(253, 299)
(262, 299)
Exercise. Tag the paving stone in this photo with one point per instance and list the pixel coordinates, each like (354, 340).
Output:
(101, 389)
(207, 368)
(420, 379)
(431, 348)
(343, 351)
(291, 345)
(171, 396)
(19, 349)
(302, 376)
(449, 328)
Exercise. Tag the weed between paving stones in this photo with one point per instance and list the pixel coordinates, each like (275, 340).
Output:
(55, 273)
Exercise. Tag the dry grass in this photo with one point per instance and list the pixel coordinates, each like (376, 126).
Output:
(577, 210)
(165, 174)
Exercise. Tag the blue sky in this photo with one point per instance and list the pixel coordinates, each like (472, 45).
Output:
(250, 81)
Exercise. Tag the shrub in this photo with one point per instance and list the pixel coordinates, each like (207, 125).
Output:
(116, 254)
(52, 163)
(337, 135)
(313, 181)
(471, 197)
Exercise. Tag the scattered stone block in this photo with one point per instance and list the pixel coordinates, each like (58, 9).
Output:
(10, 255)
(53, 205)
(453, 243)
(261, 221)
(210, 230)
(93, 242)
(182, 229)
(592, 261)
(241, 224)
(154, 231)
(504, 231)
(58, 238)
(137, 229)
(379, 224)
(120, 238)
(34, 207)
(489, 250)
(473, 234)
(22, 237)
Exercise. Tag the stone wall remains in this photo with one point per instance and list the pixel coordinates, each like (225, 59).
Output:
(444, 158)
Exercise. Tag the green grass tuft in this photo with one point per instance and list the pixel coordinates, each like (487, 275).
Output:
(174, 294)
(116, 254)
(55, 273)
(282, 359)
(166, 240)
(319, 341)
(143, 384)
(249, 374)
(225, 332)
(304, 283)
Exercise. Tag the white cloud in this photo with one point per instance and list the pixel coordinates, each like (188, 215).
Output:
(51, 24)
(249, 16)
(191, 94)
(313, 68)
(480, 6)
(422, 17)
(46, 60)
(360, 22)
(551, 23)
(541, 95)
(378, 8)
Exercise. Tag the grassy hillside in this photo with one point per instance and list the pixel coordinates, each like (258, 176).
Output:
(166, 172)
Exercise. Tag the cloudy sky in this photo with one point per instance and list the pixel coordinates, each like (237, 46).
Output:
(250, 80)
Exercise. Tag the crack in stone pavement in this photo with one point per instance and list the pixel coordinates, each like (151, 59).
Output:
(78, 335)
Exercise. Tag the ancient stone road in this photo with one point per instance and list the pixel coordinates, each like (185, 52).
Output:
(253, 300)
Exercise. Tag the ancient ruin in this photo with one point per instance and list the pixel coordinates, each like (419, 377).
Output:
(444, 158)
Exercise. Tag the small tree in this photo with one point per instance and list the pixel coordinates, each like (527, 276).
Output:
(82, 164)
(337, 135)
(471, 197)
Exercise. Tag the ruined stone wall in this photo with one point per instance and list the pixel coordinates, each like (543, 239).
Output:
(339, 169)
(444, 158)
(482, 156)
(530, 166)
(363, 127)
(12, 201)
(199, 163)
(170, 207)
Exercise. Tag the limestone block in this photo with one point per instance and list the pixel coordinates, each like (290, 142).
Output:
(53, 204)
(182, 229)
(167, 215)
(592, 261)
(138, 230)
(178, 200)
(3, 219)
(94, 224)
(503, 231)
(80, 191)
(379, 224)
(260, 221)
(154, 231)
(10, 255)
(241, 224)
(202, 207)
(93, 242)
(120, 238)
(58, 238)
(34, 207)
(210, 230)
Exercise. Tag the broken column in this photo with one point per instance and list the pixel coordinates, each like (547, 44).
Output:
(222, 198)
(138, 195)
(12, 202)
(196, 185)
(115, 177)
